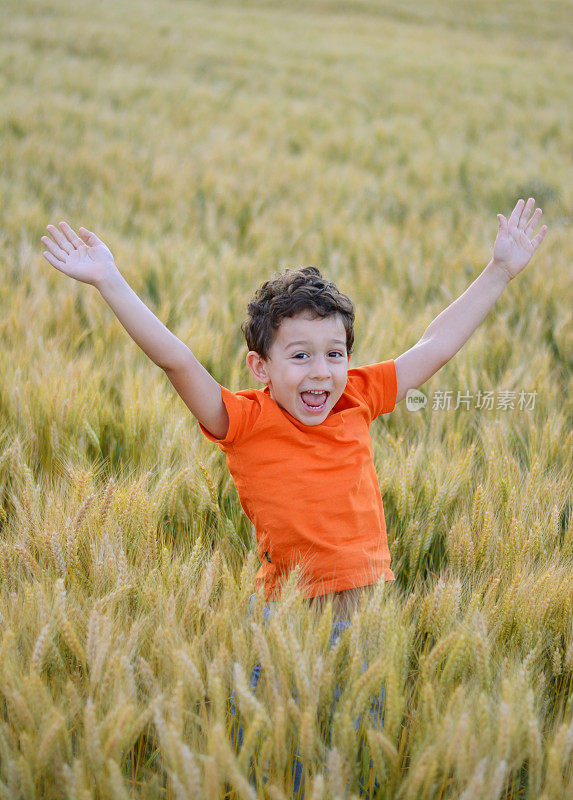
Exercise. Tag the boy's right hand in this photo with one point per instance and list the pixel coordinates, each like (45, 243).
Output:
(83, 257)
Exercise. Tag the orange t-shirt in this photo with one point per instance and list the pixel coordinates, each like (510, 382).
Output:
(311, 491)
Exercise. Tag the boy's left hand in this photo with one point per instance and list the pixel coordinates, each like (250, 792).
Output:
(514, 246)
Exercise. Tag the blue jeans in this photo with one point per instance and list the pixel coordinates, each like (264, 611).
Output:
(376, 710)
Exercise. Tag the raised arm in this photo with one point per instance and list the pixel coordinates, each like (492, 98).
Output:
(451, 329)
(86, 258)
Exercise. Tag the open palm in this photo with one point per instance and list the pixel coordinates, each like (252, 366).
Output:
(81, 255)
(514, 246)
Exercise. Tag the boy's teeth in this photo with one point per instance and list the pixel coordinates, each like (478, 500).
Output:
(314, 397)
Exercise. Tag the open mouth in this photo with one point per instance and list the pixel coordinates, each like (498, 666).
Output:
(314, 401)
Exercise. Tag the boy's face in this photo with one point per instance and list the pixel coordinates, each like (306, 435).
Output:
(307, 367)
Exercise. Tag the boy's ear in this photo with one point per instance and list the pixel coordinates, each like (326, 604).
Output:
(257, 365)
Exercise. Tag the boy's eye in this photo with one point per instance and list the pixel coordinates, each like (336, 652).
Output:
(335, 354)
(300, 355)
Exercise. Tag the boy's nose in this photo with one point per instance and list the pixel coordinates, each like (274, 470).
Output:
(320, 368)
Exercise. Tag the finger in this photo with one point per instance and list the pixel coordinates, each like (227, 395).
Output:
(530, 227)
(60, 238)
(536, 241)
(516, 213)
(53, 260)
(71, 235)
(502, 224)
(54, 249)
(526, 211)
(89, 237)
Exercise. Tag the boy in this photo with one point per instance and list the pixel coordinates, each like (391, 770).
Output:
(300, 452)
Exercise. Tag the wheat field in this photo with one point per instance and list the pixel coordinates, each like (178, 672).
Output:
(210, 144)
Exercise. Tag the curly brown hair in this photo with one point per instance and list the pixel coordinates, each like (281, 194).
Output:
(288, 294)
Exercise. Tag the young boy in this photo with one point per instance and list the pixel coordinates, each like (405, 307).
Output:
(300, 451)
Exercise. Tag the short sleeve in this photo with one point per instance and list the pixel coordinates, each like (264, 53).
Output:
(242, 410)
(377, 385)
